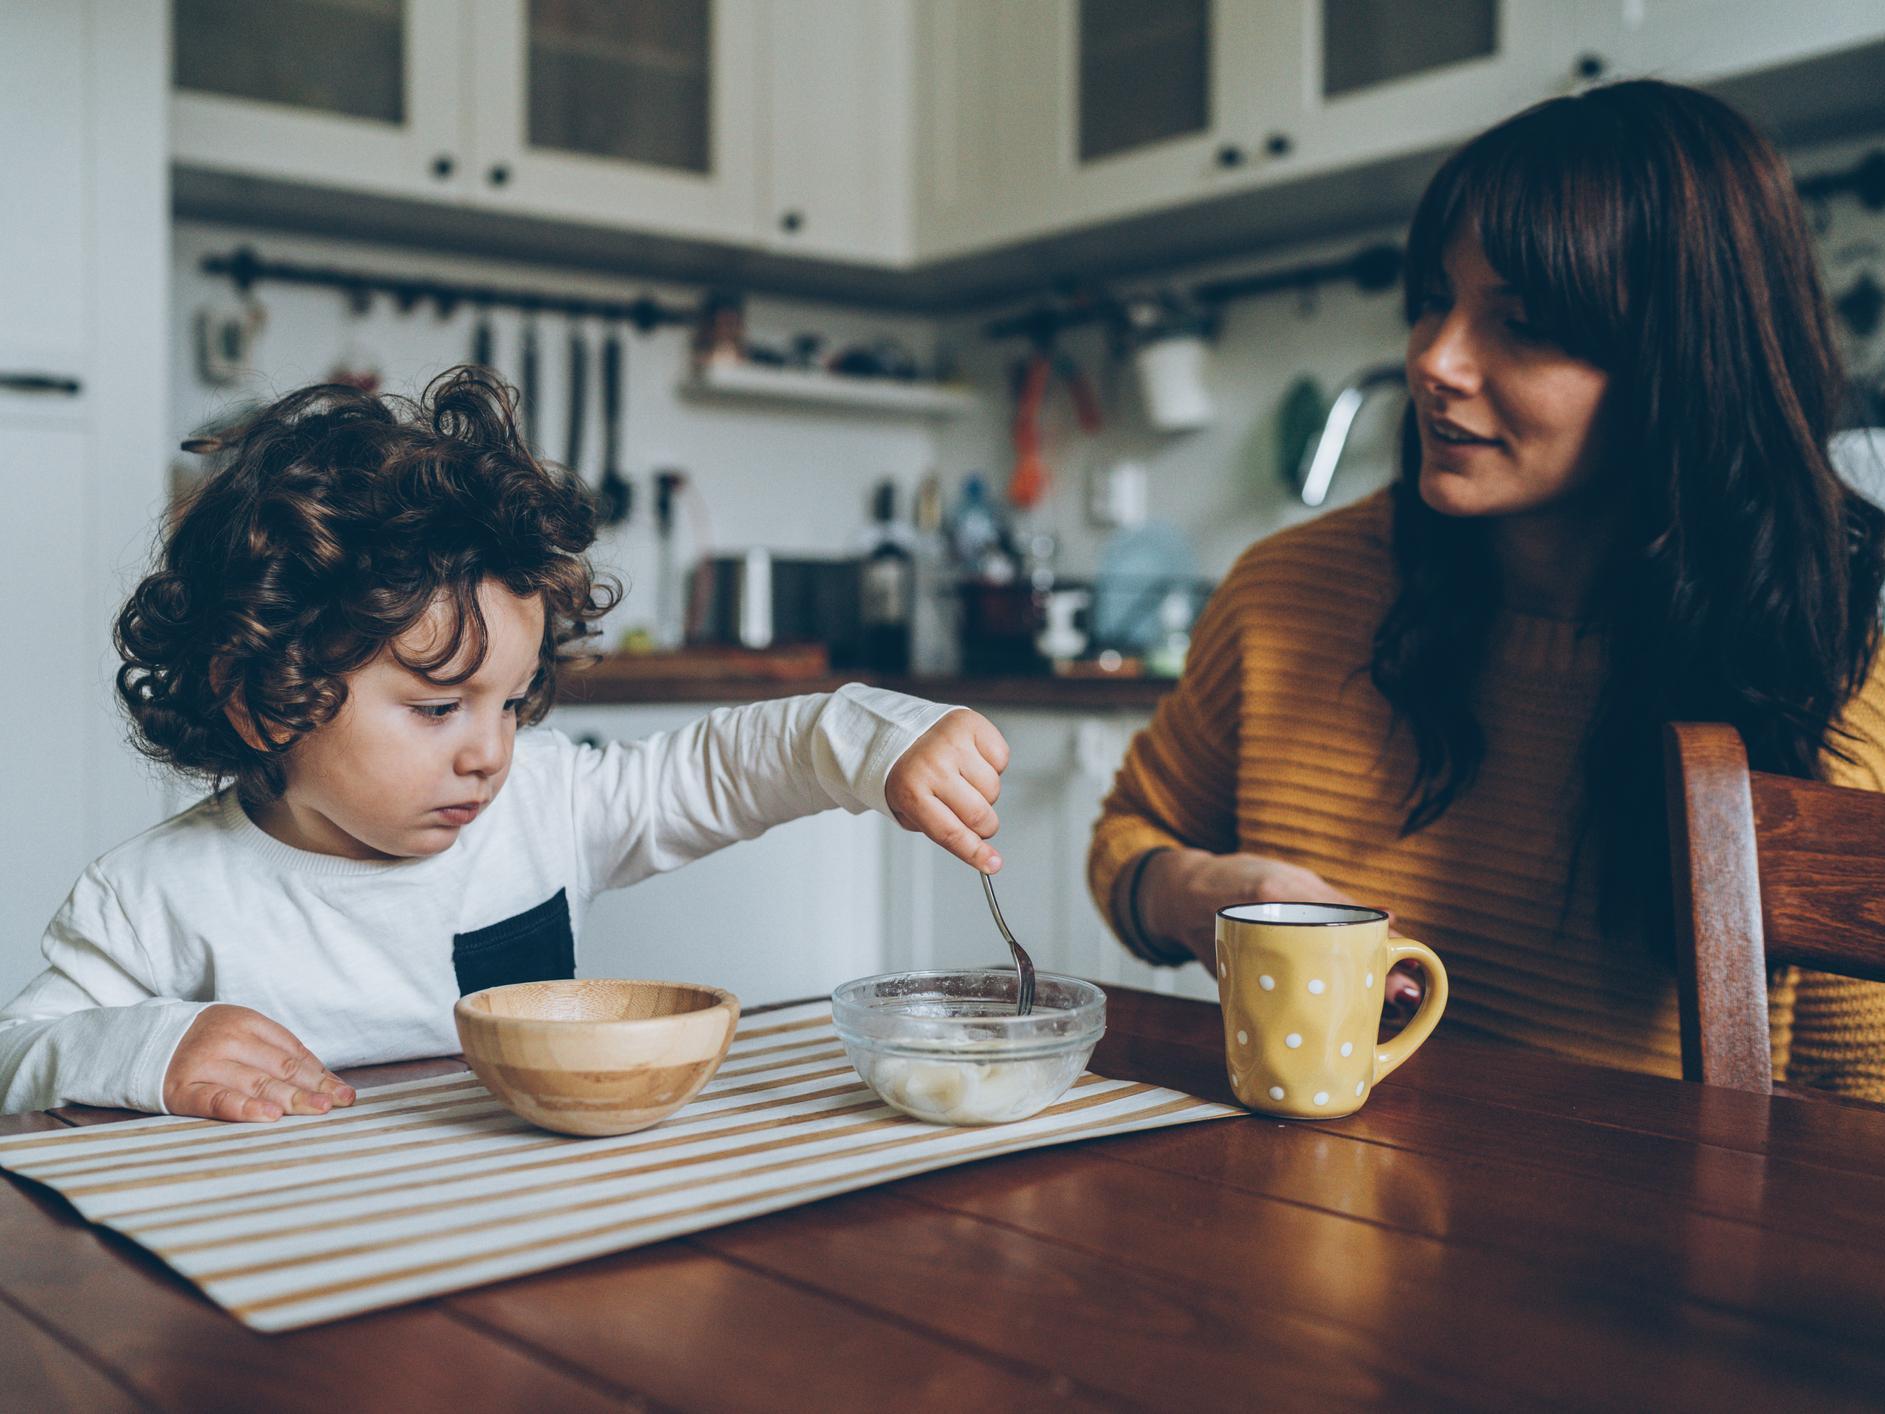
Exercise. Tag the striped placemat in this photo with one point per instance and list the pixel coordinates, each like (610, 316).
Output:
(431, 1186)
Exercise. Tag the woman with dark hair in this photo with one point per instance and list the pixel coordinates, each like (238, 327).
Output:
(1615, 510)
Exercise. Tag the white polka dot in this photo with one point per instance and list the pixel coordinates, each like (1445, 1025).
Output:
(1222, 971)
(1293, 1040)
(1243, 1038)
(1316, 985)
(1322, 1097)
(1348, 1048)
(1368, 981)
(1276, 1092)
(1358, 1085)
(1267, 982)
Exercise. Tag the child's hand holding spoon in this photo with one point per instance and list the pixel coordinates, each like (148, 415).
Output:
(946, 785)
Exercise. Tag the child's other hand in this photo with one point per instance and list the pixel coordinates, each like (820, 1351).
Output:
(234, 1063)
(946, 785)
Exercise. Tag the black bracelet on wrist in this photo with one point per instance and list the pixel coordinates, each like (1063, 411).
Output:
(1138, 939)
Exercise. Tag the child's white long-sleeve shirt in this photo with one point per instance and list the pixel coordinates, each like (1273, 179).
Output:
(362, 960)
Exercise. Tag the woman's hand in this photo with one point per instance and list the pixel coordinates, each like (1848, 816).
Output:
(1182, 890)
(945, 786)
(234, 1063)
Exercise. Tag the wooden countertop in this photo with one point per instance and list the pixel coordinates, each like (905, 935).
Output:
(1499, 1228)
(599, 685)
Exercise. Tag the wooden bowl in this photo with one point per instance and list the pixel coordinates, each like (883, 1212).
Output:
(596, 1055)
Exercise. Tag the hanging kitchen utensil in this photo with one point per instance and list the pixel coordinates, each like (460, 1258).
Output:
(356, 367)
(482, 344)
(531, 388)
(1029, 483)
(616, 492)
(1032, 478)
(578, 396)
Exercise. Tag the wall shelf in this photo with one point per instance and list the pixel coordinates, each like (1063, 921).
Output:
(759, 383)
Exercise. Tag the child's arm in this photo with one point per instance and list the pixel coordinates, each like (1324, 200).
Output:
(644, 807)
(90, 1029)
(95, 1028)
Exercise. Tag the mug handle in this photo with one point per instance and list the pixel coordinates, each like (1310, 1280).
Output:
(1389, 1055)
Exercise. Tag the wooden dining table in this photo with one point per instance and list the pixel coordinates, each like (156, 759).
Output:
(1498, 1228)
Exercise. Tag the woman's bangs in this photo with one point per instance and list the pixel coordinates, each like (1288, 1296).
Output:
(1547, 200)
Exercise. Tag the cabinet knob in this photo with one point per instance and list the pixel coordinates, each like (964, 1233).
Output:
(39, 383)
(1591, 66)
(443, 166)
(1279, 144)
(791, 221)
(1230, 155)
(499, 175)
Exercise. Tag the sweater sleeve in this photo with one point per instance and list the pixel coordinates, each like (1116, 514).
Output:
(90, 1029)
(645, 807)
(1177, 786)
(1838, 1033)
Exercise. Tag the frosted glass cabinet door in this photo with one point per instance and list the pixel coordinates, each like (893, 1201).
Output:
(630, 113)
(1383, 77)
(361, 94)
(1162, 101)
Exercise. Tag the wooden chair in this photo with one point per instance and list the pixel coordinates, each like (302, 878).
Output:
(1767, 871)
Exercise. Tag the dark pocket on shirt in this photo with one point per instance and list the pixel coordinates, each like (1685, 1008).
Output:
(535, 946)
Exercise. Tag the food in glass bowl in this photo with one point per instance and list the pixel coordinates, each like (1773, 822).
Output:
(946, 1047)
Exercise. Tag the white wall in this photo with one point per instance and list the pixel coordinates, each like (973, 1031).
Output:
(789, 478)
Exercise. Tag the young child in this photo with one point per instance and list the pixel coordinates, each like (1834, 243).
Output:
(352, 621)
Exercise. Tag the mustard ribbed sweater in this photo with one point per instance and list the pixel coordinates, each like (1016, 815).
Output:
(1275, 742)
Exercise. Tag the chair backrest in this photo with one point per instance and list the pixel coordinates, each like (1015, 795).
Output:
(1767, 871)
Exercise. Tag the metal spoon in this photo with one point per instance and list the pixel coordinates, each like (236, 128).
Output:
(1024, 965)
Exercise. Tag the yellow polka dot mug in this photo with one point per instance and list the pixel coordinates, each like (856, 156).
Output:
(1301, 986)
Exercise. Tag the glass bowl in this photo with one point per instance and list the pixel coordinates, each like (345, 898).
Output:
(946, 1047)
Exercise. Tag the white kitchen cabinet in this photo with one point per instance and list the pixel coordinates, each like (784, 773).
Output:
(361, 94)
(1158, 105)
(790, 914)
(1380, 78)
(650, 116)
(643, 117)
(1068, 113)
(837, 134)
(45, 297)
(1696, 40)
(84, 266)
(985, 96)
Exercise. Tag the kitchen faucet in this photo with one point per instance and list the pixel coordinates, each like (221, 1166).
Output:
(1318, 464)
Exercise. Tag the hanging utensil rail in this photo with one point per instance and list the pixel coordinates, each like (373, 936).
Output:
(246, 269)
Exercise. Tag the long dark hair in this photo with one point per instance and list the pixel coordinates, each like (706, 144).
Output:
(1652, 232)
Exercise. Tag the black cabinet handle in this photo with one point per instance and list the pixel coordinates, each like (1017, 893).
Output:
(1591, 66)
(1279, 144)
(791, 221)
(500, 174)
(443, 166)
(1230, 155)
(40, 383)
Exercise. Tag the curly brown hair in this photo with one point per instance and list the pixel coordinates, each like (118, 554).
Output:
(337, 520)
